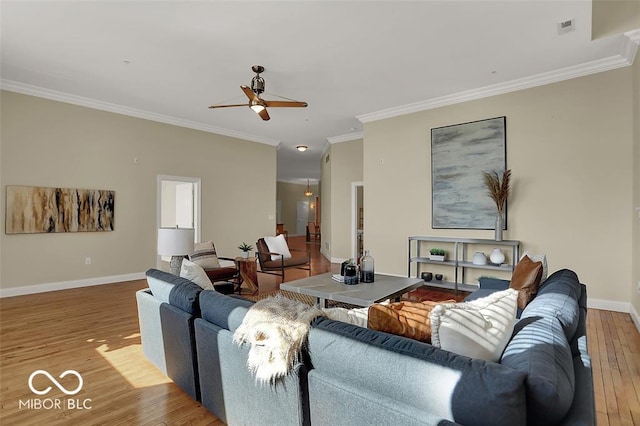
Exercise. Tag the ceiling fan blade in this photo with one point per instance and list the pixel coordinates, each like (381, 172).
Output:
(227, 106)
(291, 104)
(264, 115)
(247, 91)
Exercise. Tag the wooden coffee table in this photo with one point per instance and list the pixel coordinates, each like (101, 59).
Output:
(323, 288)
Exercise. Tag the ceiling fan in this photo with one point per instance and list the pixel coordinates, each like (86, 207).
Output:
(258, 104)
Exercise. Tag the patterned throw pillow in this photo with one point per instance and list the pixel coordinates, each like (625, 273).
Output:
(204, 254)
(478, 329)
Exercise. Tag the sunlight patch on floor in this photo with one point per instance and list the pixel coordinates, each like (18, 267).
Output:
(119, 356)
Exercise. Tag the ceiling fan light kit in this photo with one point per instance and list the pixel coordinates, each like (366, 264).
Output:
(256, 103)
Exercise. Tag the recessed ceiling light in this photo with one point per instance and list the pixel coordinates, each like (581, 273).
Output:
(302, 148)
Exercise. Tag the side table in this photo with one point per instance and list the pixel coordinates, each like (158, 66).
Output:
(249, 272)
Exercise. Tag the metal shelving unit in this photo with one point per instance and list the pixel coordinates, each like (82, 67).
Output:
(459, 259)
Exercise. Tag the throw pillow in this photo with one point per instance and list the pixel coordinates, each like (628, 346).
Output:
(408, 319)
(478, 329)
(356, 316)
(204, 254)
(193, 272)
(278, 245)
(526, 279)
(539, 258)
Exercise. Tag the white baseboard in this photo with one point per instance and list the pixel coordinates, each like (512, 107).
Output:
(635, 317)
(609, 305)
(65, 285)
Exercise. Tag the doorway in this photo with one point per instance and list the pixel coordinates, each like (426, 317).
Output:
(179, 203)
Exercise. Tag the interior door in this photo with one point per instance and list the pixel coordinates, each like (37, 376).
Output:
(302, 217)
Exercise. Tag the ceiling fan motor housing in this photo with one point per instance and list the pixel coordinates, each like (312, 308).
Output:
(257, 84)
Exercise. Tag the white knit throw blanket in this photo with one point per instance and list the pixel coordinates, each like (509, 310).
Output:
(276, 328)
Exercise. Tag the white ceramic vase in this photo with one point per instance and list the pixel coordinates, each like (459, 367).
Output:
(479, 258)
(497, 256)
(245, 254)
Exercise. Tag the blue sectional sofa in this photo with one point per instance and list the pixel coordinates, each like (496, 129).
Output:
(351, 375)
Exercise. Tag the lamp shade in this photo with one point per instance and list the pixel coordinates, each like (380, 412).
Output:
(175, 241)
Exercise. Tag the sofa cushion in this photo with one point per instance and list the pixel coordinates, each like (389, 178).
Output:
(161, 283)
(478, 329)
(438, 381)
(408, 319)
(204, 254)
(540, 349)
(185, 297)
(558, 298)
(224, 311)
(194, 273)
(526, 279)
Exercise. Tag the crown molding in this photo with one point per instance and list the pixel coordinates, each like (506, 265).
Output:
(346, 138)
(54, 95)
(630, 42)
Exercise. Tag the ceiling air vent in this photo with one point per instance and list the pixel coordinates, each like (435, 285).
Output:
(566, 26)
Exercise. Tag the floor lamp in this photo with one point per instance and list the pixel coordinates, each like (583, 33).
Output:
(177, 243)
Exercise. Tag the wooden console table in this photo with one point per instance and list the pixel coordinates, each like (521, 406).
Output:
(249, 272)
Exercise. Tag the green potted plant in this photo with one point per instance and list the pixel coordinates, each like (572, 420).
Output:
(437, 254)
(246, 248)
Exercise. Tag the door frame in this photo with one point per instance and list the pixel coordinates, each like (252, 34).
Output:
(354, 217)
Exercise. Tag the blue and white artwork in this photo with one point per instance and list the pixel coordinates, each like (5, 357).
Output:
(459, 155)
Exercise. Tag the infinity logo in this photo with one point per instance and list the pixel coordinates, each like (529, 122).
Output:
(55, 382)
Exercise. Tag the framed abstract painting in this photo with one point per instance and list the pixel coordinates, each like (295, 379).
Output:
(34, 209)
(459, 155)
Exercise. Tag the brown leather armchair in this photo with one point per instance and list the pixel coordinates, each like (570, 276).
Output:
(301, 259)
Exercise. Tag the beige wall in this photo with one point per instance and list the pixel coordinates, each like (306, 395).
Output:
(614, 17)
(635, 284)
(570, 147)
(47, 143)
(289, 194)
(344, 168)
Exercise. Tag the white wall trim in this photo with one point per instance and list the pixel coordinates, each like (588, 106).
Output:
(66, 285)
(609, 305)
(629, 47)
(54, 95)
(346, 138)
(635, 317)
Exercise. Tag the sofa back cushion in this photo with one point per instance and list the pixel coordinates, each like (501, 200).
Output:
(224, 311)
(161, 283)
(417, 374)
(558, 298)
(185, 296)
(540, 349)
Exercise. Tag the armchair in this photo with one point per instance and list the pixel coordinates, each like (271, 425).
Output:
(313, 230)
(218, 269)
(300, 259)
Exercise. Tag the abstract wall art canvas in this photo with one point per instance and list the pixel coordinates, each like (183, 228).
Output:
(459, 155)
(31, 209)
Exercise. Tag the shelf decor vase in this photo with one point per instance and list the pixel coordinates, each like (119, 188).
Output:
(499, 226)
(497, 257)
(479, 258)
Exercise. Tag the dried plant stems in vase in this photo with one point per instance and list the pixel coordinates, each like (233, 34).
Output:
(498, 190)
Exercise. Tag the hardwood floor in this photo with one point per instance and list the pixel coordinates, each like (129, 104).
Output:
(94, 330)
